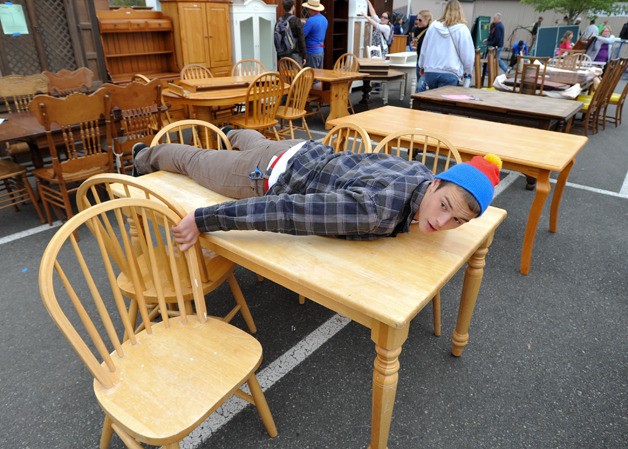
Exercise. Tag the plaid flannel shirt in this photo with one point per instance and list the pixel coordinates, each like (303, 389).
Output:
(355, 196)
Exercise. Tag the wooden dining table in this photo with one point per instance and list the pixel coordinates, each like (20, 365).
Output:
(231, 90)
(23, 126)
(381, 284)
(497, 106)
(534, 152)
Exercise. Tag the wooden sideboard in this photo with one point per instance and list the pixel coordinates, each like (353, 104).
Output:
(137, 41)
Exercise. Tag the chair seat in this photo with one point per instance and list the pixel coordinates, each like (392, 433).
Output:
(218, 268)
(48, 174)
(207, 359)
(9, 169)
(614, 98)
(285, 112)
(241, 120)
(488, 88)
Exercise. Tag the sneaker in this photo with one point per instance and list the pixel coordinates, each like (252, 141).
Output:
(135, 150)
(226, 129)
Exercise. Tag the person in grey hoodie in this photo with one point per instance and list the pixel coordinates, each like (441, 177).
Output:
(447, 53)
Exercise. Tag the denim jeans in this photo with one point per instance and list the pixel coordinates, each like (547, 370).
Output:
(502, 64)
(434, 80)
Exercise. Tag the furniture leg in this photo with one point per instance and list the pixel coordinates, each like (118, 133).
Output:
(385, 92)
(542, 190)
(339, 100)
(366, 92)
(38, 161)
(470, 288)
(558, 194)
(388, 342)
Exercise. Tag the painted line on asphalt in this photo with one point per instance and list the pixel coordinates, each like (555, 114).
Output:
(28, 232)
(624, 188)
(267, 378)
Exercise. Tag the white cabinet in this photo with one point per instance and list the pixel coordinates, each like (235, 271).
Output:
(253, 23)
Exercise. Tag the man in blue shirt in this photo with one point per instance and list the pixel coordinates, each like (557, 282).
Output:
(496, 39)
(314, 30)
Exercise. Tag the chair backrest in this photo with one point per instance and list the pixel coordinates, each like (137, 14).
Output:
(17, 91)
(530, 74)
(411, 142)
(477, 69)
(262, 98)
(347, 62)
(139, 78)
(64, 82)
(288, 69)
(195, 72)
(196, 133)
(100, 188)
(80, 118)
(374, 51)
(248, 67)
(574, 61)
(79, 287)
(300, 89)
(348, 137)
(492, 64)
(137, 114)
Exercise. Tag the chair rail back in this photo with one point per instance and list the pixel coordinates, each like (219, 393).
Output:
(348, 137)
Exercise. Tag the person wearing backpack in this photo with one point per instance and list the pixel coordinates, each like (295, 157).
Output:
(382, 29)
(315, 29)
(289, 37)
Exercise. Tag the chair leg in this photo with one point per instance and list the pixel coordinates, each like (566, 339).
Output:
(307, 128)
(277, 138)
(291, 129)
(436, 313)
(301, 299)
(244, 307)
(107, 432)
(44, 202)
(262, 406)
(31, 194)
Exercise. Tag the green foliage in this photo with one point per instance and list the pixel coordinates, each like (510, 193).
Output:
(127, 2)
(575, 8)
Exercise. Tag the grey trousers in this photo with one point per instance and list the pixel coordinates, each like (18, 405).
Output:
(224, 172)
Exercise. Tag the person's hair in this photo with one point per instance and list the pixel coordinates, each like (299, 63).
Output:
(426, 15)
(541, 18)
(592, 22)
(473, 204)
(287, 5)
(498, 15)
(453, 13)
(606, 27)
(390, 18)
(566, 37)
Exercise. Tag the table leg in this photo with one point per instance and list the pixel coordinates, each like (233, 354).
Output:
(542, 190)
(558, 194)
(388, 342)
(36, 157)
(470, 289)
(366, 92)
(339, 100)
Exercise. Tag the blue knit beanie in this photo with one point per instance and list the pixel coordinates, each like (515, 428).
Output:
(479, 177)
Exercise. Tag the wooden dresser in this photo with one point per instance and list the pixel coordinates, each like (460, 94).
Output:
(137, 41)
(202, 33)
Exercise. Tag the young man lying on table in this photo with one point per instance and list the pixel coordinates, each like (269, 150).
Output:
(304, 188)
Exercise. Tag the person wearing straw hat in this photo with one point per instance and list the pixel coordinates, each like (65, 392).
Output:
(305, 188)
(314, 30)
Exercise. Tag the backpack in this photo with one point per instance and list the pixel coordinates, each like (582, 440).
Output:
(284, 40)
(623, 34)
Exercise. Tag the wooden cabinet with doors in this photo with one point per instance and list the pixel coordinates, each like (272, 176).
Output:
(202, 33)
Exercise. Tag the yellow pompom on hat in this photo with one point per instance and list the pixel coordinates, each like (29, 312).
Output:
(479, 177)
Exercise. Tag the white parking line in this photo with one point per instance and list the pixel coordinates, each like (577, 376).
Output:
(28, 232)
(267, 378)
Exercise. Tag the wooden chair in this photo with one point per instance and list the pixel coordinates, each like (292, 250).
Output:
(492, 66)
(197, 133)
(617, 100)
(347, 62)
(16, 93)
(410, 143)
(137, 115)
(64, 82)
(248, 67)
(288, 69)
(530, 75)
(84, 149)
(348, 137)
(15, 188)
(195, 72)
(594, 104)
(294, 107)
(262, 99)
(156, 386)
(214, 269)
(143, 79)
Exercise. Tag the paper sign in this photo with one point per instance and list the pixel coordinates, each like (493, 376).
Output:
(12, 19)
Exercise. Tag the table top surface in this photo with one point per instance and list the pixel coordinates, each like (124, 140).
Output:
(321, 268)
(530, 147)
(331, 76)
(21, 125)
(503, 102)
